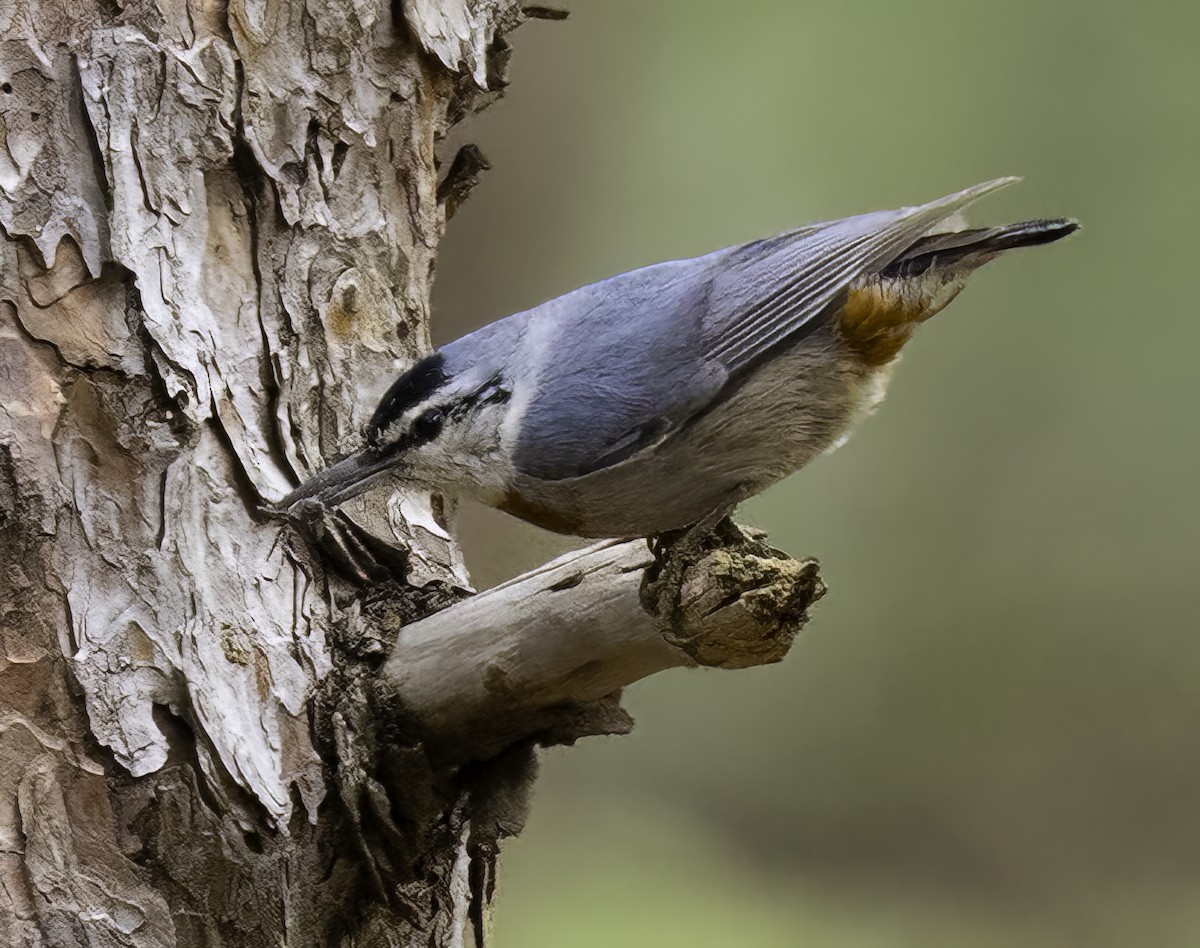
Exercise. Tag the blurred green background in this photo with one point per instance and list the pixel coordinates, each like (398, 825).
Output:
(987, 735)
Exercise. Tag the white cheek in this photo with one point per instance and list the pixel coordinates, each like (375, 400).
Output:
(466, 460)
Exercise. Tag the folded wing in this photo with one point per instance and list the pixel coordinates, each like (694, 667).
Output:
(632, 358)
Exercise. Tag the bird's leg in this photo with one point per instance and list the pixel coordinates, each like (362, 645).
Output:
(678, 551)
(308, 517)
(345, 545)
(306, 514)
(689, 541)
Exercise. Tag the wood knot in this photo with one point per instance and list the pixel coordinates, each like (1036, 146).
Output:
(727, 599)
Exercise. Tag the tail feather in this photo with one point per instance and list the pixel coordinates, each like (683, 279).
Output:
(947, 249)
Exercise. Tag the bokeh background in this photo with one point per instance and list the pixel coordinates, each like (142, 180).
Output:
(988, 734)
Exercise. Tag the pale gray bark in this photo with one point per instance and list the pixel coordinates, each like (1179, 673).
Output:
(218, 227)
(559, 641)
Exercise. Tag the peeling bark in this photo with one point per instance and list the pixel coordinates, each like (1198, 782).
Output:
(219, 225)
(547, 653)
(218, 228)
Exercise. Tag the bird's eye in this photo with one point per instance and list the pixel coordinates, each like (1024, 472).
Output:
(428, 424)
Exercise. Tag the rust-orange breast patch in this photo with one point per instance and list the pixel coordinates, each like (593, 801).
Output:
(881, 314)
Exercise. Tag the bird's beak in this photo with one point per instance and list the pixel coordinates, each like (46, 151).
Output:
(339, 482)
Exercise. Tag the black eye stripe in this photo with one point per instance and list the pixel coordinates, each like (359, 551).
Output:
(412, 388)
(492, 391)
(428, 425)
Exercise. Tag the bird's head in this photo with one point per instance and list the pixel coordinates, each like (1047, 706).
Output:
(433, 426)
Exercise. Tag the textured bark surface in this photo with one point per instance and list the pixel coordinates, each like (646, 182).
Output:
(218, 228)
(219, 225)
(547, 653)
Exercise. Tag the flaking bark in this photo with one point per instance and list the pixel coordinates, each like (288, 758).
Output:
(218, 228)
(219, 225)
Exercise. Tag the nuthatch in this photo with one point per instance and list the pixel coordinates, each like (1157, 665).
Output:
(651, 400)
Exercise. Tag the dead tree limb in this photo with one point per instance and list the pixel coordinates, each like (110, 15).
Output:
(545, 655)
(218, 228)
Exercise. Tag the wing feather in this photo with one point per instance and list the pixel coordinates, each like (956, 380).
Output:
(809, 275)
(638, 355)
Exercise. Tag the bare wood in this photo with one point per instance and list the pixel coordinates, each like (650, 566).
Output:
(218, 226)
(508, 663)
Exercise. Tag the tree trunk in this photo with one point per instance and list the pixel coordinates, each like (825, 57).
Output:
(218, 228)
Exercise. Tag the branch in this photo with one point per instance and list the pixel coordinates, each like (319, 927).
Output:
(544, 654)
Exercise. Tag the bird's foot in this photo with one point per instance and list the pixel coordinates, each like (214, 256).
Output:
(689, 542)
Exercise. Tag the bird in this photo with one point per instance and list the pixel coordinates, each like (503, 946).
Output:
(654, 400)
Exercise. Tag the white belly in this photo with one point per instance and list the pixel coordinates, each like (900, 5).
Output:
(795, 407)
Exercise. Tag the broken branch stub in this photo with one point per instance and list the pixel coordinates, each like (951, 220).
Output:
(532, 658)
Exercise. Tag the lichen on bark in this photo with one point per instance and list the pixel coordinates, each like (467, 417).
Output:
(218, 224)
(218, 229)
